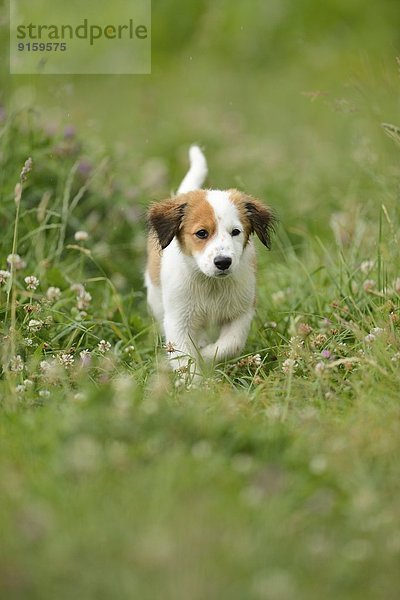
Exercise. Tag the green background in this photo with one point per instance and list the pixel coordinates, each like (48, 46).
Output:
(122, 54)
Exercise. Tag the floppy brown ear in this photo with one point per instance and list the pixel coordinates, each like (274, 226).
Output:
(261, 218)
(166, 218)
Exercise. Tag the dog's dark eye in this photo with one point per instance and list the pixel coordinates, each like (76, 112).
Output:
(202, 234)
(235, 232)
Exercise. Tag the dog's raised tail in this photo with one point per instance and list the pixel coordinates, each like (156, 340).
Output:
(197, 173)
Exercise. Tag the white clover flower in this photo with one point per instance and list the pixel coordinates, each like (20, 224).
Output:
(369, 285)
(4, 277)
(53, 294)
(44, 366)
(366, 266)
(77, 287)
(31, 282)
(83, 300)
(28, 341)
(370, 338)
(376, 331)
(396, 357)
(28, 383)
(65, 359)
(257, 360)
(17, 364)
(14, 260)
(34, 325)
(278, 297)
(44, 393)
(373, 334)
(289, 365)
(104, 346)
(81, 236)
(85, 357)
(20, 389)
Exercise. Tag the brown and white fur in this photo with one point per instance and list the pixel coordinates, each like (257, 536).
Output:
(201, 266)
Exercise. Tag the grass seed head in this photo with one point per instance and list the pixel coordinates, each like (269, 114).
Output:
(26, 169)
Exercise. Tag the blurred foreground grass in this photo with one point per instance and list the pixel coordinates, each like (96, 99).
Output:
(279, 479)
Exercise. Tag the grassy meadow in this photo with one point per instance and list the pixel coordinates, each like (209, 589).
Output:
(278, 477)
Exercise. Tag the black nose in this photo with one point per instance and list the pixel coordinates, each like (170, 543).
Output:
(222, 262)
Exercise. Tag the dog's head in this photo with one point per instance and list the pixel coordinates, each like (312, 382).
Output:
(212, 226)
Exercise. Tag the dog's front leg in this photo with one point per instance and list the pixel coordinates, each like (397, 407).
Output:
(231, 341)
(179, 339)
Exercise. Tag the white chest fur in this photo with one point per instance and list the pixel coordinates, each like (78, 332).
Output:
(201, 299)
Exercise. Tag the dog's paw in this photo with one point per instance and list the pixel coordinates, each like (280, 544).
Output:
(209, 352)
(203, 341)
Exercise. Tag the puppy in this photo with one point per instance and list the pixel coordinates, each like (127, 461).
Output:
(200, 274)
